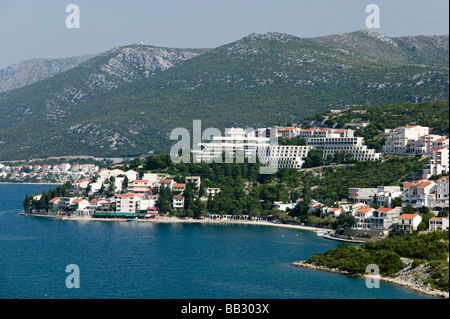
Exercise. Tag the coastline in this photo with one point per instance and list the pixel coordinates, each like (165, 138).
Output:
(181, 220)
(29, 183)
(399, 280)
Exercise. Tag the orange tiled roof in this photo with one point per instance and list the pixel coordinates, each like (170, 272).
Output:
(408, 216)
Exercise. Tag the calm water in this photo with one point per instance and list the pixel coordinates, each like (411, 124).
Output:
(142, 260)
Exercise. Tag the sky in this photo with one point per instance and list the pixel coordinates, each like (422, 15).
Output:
(37, 28)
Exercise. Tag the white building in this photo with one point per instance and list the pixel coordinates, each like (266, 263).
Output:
(213, 191)
(284, 156)
(178, 202)
(442, 191)
(408, 222)
(331, 141)
(131, 175)
(140, 187)
(193, 179)
(386, 194)
(402, 139)
(419, 193)
(364, 195)
(235, 140)
(438, 223)
(127, 203)
(438, 162)
(384, 218)
(362, 217)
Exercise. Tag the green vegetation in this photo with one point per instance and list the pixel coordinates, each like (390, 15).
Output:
(257, 81)
(380, 117)
(43, 202)
(244, 190)
(430, 250)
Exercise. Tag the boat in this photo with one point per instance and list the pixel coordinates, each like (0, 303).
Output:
(321, 233)
(132, 219)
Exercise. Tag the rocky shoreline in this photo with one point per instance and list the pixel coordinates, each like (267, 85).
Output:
(409, 277)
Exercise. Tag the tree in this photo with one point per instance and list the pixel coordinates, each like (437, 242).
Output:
(314, 158)
(396, 202)
(188, 196)
(27, 202)
(375, 203)
(134, 163)
(165, 199)
(409, 209)
(345, 219)
(125, 182)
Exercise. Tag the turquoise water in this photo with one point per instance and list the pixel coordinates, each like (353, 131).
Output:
(163, 261)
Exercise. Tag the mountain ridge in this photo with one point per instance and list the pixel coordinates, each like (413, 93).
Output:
(261, 79)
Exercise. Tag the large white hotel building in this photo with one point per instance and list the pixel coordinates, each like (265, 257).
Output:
(263, 143)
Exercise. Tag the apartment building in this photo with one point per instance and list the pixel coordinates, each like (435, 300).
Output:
(334, 140)
(442, 191)
(127, 203)
(402, 139)
(284, 156)
(438, 162)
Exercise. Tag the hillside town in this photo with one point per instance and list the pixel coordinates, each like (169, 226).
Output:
(115, 193)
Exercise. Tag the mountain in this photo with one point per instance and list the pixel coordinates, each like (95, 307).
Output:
(30, 71)
(121, 103)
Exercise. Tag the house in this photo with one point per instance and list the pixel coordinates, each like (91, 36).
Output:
(442, 189)
(178, 202)
(139, 186)
(283, 206)
(193, 179)
(386, 194)
(362, 217)
(61, 202)
(107, 173)
(153, 178)
(127, 203)
(356, 206)
(55, 202)
(131, 175)
(178, 187)
(80, 203)
(166, 183)
(384, 218)
(408, 222)
(80, 185)
(146, 204)
(364, 195)
(335, 212)
(314, 205)
(438, 223)
(419, 193)
(81, 207)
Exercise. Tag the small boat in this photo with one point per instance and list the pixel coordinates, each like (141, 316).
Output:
(321, 233)
(132, 219)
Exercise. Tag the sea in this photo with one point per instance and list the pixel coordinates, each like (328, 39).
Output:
(44, 258)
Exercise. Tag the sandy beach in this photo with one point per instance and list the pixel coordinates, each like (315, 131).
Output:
(182, 220)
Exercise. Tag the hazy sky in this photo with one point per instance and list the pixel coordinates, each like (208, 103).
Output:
(37, 28)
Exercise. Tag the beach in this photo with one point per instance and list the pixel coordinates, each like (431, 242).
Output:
(183, 220)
